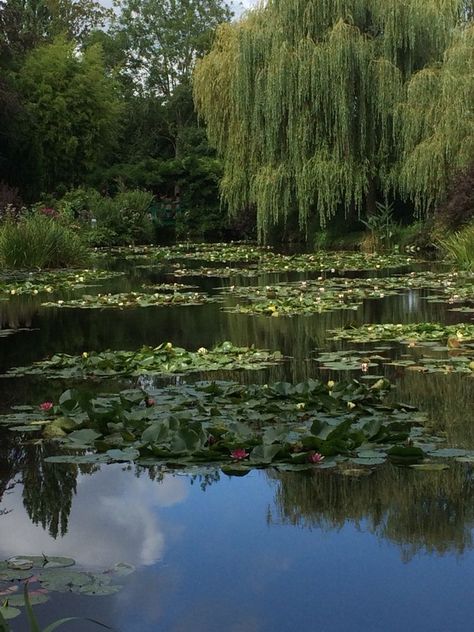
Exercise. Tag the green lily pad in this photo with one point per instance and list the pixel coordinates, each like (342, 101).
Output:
(448, 452)
(8, 612)
(35, 598)
(368, 461)
(236, 470)
(430, 467)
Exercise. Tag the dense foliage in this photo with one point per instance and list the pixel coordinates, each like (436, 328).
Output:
(322, 114)
(90, 96)
(322, 106)
(38, 241)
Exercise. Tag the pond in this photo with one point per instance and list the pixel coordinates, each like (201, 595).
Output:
(361, 546)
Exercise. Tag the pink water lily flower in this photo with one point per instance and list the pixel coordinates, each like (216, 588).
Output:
(315, 457)
(46, 406)
(149, 401)
(239, 454)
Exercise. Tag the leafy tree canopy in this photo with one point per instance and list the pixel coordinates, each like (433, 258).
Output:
(320, 105)
(26, 23)
(72, 110)
(164, 38)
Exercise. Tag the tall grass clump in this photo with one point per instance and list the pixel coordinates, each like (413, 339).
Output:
(38, 241)
(459, 247)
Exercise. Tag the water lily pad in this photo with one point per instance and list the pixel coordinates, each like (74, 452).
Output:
(46, 561)
(98, 589)
(368, 461)
(122, 569)
(78, 459)
(8, 612)
(430, 467)
(448, 452)
(236, 470)
(20, 563)
(35, 597)
(165, 359)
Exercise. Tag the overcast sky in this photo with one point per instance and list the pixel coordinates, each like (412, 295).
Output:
(246, 4)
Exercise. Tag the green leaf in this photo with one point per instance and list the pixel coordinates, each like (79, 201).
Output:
(86, 436)
(448, 452)
(6, 613)
(264, 453)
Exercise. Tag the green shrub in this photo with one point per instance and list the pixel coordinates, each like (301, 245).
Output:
(120, 220)
(39, 241)
(459, 247)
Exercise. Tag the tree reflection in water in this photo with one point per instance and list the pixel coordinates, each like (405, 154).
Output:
(431, 512)
(47, 490)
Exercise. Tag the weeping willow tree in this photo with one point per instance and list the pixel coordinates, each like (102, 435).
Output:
(305, 102)
(436, 123)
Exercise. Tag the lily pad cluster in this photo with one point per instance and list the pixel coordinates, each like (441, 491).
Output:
(217, 252)
(215, 272)
(229, 424)
(48, 282)
(454, 335)
(164, 359)
(168, 287)
(46, 575)
(290, 299)
(134, 299)
(463, 363)
(457, 361)
(271, 262)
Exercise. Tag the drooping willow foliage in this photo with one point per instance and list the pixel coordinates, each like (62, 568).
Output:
(316, 105)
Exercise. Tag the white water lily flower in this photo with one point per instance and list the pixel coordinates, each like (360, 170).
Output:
(202, 350)
(350, 405)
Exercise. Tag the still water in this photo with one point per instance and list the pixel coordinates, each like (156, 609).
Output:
(277, 551)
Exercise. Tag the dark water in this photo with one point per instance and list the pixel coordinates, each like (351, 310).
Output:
(272, 551)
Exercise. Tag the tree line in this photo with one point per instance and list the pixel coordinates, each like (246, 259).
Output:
(102, 97)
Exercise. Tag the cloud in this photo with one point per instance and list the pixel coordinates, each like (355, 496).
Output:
(113, 519)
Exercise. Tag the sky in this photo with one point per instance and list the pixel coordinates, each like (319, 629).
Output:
(246, 4)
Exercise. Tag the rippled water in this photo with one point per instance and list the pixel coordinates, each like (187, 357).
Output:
(271, 551)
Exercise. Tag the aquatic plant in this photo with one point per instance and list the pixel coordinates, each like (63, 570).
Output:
(37, 241)
(48, 281)
(461, 361)
(223, 422)
(314, 262)
(459, 247)
(410, 333)
(126, 300)
(51, 574)
(165, 359)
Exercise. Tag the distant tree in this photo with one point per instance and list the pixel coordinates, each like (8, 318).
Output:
(163, 39)
(26, 23)
(72, 111)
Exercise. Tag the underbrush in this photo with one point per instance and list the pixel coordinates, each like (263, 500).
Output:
(39, 241)
(120, 220)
